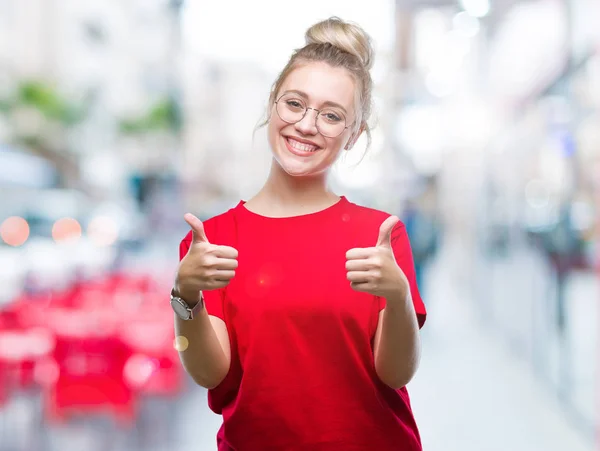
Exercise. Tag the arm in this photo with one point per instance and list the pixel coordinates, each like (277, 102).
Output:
(207, 356)
(397, 347)
(203, 342)
(387, 272)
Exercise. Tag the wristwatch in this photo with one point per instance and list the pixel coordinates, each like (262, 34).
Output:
(182, 308)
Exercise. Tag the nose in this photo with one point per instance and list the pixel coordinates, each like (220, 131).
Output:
(308, 124)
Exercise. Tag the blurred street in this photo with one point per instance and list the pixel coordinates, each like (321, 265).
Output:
(474, 391)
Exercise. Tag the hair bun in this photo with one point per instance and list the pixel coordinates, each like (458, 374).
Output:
(346, 36)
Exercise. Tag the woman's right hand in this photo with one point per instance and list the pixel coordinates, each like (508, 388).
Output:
(206, 266)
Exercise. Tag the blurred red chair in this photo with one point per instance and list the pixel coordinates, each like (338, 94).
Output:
(154, 367)
(22, 345)
(94, 347)
(4, 392)
(90, 360)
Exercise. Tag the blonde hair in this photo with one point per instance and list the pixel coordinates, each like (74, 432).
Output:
(339, 44)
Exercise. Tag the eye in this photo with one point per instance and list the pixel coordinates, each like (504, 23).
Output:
(294, 104)
(332, 116)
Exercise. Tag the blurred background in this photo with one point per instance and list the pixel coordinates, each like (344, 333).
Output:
(118, 116)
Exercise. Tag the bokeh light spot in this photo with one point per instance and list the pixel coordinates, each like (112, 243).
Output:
(14, 231)
(103, 231)
(181, 343)
(66, 229)
(46, 372)
(139, 369)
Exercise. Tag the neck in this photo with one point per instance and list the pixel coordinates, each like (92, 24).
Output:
(284, 191)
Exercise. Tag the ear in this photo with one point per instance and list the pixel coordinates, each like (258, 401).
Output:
(354, 137)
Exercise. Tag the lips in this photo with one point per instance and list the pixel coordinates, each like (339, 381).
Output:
(301, 145)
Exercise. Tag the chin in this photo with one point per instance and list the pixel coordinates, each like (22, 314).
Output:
(297, 170)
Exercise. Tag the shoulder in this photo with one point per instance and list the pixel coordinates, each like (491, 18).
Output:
(368, 221)
(369, 216)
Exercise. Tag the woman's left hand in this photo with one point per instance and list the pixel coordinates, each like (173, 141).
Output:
(374, 270)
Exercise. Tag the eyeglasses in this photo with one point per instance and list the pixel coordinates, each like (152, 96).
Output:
(330, 122)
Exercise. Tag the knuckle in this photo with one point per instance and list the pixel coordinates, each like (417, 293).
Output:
(207, 275)
(210, 249)
(199, 249)
(209, 262)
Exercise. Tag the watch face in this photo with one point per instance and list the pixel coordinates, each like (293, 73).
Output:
(180, 309)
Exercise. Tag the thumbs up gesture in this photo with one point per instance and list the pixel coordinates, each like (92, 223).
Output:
(374, 270)
(206, 266)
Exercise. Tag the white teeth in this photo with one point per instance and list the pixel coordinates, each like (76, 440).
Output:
(302, 147)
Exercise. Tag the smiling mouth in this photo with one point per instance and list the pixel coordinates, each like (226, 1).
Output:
(301, 147)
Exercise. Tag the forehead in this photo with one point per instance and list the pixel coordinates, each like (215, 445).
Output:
(322, 83)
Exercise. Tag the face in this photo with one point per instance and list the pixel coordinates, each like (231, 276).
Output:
(301, 149)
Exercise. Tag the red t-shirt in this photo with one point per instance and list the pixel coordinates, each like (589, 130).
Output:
(302, 373)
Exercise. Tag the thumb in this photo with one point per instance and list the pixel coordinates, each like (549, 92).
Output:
(198, 234)
(385, 231)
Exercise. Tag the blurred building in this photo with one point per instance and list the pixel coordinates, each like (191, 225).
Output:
(500, 102)
(115, 61)
(223, 103)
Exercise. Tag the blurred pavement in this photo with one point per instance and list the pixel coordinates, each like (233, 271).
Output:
(471, 393)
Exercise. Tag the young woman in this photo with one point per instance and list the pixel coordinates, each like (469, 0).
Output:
(298, 309)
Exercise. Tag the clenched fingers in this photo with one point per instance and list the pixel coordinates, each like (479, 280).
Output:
(224, 275)
(360, 253)
(225, 264)
(224, 252)
(365, 264)
(360, 276)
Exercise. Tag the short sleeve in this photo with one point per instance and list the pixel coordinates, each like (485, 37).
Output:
(213, 299)
(404, 258)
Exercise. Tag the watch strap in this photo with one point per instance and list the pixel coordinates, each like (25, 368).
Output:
(198, 307)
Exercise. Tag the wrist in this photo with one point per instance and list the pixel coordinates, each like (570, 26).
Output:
(184, 310)
(399, 297)
(190, 297)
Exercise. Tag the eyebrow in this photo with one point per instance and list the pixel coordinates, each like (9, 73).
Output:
(305, 95)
